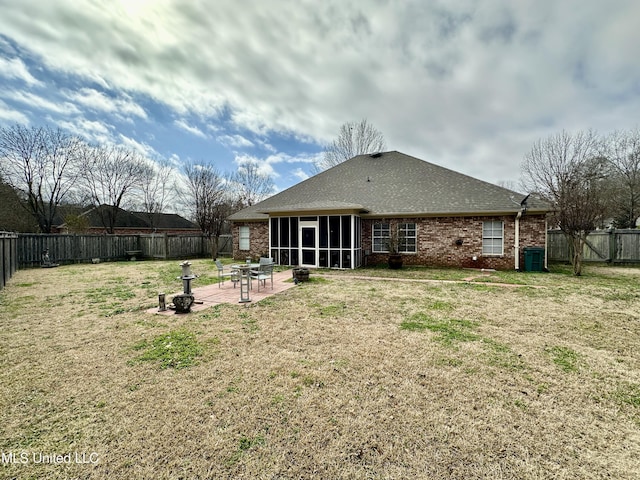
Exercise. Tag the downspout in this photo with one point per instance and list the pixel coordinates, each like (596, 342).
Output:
(517, 246)
(546, 243)
(523, 209)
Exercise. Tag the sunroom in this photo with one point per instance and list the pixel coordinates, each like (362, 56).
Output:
(325, 241)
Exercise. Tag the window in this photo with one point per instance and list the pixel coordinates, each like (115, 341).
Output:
(380, 237)
(346, 231)
(284, 232)
(492, 237)
(334, 232)
(244, 238)
(407, 237)
(275, 222)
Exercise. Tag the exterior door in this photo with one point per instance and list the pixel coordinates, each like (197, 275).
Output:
(308, 245)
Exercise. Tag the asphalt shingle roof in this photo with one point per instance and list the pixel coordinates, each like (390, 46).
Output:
(126, 219)
(167, 220)
(392, 184)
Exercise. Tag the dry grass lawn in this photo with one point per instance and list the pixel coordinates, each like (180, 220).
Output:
(337, 378)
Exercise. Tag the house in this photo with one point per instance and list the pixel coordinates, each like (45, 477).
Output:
(126, 222)
(345, 216)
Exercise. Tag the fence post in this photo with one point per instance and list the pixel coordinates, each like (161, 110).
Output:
(2, 262)
(8, 256)
(613, 246)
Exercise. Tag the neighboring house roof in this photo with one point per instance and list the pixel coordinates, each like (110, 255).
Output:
(166, 220)
(124, 219)
(137, 220)
(392, 184)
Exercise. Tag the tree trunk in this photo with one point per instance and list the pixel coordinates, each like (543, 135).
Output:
(213, 241)
(576, 258)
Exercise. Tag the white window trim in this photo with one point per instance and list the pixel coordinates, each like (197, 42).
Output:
(244, 240)
(385, 239)
(415, 228)
(501, 237)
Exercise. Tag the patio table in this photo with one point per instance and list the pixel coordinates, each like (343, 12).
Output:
(245, 279)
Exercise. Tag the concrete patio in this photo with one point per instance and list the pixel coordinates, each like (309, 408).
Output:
(215, 294)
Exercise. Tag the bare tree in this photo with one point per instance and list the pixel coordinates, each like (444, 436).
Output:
(111, 173)
(251, 185)
(11, 211)
(42, 164)
(157, 190)
(207, 189)
(568, 171)
(508, 184)
(354, 138)
(623, 155)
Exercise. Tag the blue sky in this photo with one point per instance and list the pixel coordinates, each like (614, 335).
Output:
(467, 85)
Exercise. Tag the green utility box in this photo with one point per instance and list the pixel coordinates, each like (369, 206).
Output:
(533, 259)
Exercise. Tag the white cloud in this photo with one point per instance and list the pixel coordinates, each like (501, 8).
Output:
(267, 165)
(144, 149)
(92, 131)
(15, 68)
(266, 145)
(300, 174)
(214, 128)
(237, 141)
(12, 116)
(101, 133)
(264, 166)
(37, 102)
(98, 101)
(189, 128)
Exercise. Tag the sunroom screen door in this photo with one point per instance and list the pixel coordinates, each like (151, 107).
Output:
(308, 246)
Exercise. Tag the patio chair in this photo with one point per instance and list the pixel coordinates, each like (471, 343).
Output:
(234, 275)
(263, 261)
(264, 273)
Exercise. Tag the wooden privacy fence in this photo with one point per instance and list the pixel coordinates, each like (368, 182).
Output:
(71, 248)
(8, 256)
(75, 248)
(175, 246)
(613, 246)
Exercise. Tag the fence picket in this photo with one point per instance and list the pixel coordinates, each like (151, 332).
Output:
(614, 246)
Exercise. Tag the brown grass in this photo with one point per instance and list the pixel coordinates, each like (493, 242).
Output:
(338, 378)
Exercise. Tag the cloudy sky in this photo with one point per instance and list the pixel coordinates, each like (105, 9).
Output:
(469, 85)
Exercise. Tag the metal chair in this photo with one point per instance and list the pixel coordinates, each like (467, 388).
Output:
(234, 275)
(264, 273)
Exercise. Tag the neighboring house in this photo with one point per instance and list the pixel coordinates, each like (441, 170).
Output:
(345, 216)
(133, 223)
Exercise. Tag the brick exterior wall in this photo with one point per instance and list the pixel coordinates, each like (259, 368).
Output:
(436, 242)
(258, 240)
